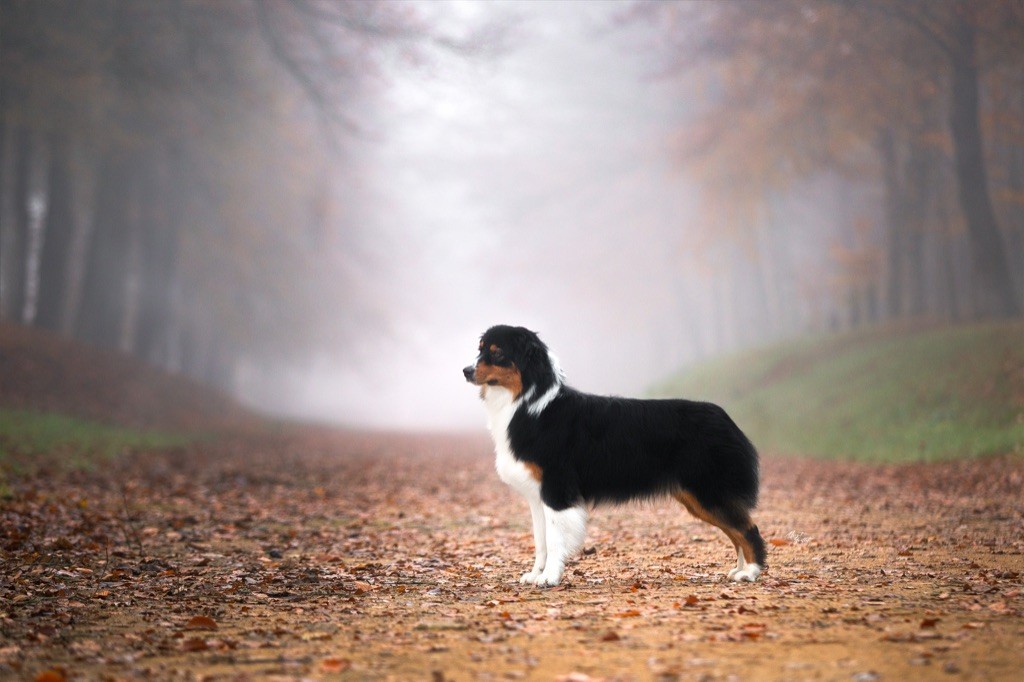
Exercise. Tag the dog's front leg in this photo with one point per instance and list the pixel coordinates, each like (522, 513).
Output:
(540, 547)
(565, 530)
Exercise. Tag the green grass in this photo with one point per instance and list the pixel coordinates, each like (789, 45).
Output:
(882, 395)
(70, 443)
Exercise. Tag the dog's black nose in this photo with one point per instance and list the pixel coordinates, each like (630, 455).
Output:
(468, 372)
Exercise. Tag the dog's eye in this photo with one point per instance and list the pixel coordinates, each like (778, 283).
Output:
(497, 354)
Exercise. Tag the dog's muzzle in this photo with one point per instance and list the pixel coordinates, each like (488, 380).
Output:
(469, 373)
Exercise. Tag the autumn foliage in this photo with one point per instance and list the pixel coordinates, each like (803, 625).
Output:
(301, 551)
(171, 182)
(895, 126)
(316, 554)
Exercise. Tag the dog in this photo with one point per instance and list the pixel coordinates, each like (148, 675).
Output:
(566, 451)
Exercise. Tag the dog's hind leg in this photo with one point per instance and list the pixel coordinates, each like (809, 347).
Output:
(736, 524)
(565, 532)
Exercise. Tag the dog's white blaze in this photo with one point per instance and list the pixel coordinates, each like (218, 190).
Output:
(537, 406)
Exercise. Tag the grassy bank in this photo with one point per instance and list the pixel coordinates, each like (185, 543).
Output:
(29, 438)
(882, 395)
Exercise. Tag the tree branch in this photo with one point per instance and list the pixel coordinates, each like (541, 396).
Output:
(329, 115)
(897, 11)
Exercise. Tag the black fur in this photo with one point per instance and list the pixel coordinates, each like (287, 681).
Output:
(753, 536)
(601, 449)
(597, 449)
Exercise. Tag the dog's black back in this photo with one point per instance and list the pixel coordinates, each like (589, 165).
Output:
(604, 449)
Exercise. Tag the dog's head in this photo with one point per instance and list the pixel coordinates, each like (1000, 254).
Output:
(513, 358)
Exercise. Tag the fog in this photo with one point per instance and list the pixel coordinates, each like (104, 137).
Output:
(319, 207)
(530, 188)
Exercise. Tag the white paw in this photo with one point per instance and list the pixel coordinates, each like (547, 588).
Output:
(530, 578)
(548, 579)
(748, 573)
(733, 572)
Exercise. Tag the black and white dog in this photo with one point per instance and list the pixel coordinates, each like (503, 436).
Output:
(564, 450)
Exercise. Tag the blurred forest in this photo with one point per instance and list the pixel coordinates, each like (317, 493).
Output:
(900, 124)
(178, 178)
(173, 174)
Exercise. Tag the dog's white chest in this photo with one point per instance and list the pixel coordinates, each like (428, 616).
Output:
(500, 409)
(512, 471)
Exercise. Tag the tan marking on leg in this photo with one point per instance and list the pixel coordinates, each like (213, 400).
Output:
(698, 510)
(535, 471)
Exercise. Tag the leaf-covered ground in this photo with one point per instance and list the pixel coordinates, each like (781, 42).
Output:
(347, 556)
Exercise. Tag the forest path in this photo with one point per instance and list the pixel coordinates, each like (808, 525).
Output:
(315, 554)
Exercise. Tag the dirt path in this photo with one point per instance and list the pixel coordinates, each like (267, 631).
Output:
(368, 557)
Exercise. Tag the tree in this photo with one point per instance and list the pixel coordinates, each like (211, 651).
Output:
(801, 89)
(952, 28)
(183, 139)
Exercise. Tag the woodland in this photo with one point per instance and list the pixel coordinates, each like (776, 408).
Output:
(161, 172)
(904, 118)
(182, 195)
(139, 213)
(320, 556)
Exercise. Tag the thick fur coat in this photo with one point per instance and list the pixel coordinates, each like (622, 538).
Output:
(565, 451)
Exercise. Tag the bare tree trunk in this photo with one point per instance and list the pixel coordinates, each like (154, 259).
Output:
(1015, 239)
(59, 228)
(37, 198)
(131, 280)
(991, 270)
(964, 283)
(82, 214)
(164, 209)
(767, 266)
(919, 183)
(102, 308)
(8, 232)
(724, 307)
(13, 221)
(895, 222)
(947, 280)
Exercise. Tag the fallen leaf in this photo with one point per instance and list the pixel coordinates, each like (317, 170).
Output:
(194, 644)
(335, 665)
(200, 623)
(52, 675)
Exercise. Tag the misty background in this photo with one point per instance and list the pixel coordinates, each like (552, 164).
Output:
(319, 206)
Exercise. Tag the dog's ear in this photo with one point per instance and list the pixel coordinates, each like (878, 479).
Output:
(534, 347)
(535, 353)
